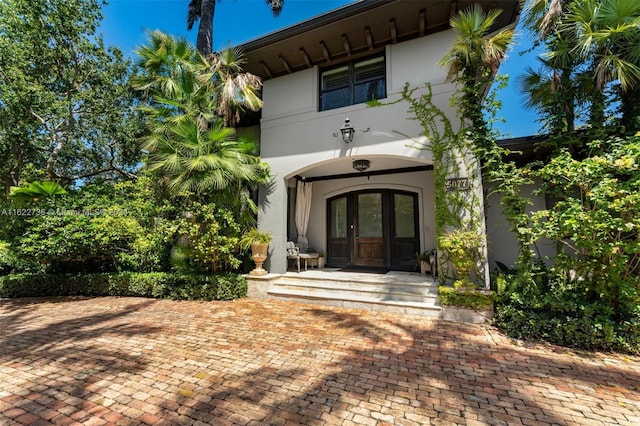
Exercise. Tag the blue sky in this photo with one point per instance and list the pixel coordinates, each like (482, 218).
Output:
(238, 21)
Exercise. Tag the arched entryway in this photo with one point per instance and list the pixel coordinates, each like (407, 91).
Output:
(373, 228)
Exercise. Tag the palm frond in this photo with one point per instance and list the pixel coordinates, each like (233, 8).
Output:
(193, 12)
(276, 6)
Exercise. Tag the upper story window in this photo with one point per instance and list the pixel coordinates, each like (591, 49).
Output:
(353, 83)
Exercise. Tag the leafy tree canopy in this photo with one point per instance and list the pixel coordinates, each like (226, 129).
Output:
(65, 102)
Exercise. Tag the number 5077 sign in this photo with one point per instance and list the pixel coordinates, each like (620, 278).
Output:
(457, 184)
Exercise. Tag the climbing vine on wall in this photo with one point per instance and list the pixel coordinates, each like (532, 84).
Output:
(454, 157)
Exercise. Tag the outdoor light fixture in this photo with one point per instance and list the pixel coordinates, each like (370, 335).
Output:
(361, 165)
(348, 131)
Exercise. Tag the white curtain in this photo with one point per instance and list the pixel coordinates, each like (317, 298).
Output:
(303, 209)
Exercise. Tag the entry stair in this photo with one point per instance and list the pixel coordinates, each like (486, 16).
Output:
(400, 292)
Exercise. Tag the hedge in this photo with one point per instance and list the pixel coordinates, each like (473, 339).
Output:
(155, 284)
(478, 300)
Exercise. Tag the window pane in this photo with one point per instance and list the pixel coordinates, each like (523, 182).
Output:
(370, 215)
(335, 78)
(364, 92)
(335, 99)
(355, 83)
(369, 69)
(404, 209)
(339, 218)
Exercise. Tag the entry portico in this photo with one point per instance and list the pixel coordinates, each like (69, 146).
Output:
(372, 197)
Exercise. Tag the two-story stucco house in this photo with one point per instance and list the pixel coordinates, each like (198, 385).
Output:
(348, 179)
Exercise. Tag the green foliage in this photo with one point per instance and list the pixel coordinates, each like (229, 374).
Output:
(8, 260)
(156, 284)
(65, 102)
(96, 228)
(548, 307)
(35, 191)
(255, 236)
(478, 300)
(191, 99)
(595, 219)
(462, 249)
(471, 64)
(451, 152)
(211, 238)
(591, 63)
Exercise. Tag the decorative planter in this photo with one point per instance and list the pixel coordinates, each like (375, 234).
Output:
(259, 255)
(424, 267)
(459, 314)
(321, 262)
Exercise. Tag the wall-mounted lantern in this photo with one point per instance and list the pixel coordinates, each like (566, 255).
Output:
(348, 131)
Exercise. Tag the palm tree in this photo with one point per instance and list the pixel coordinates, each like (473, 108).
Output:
(204, 11)
(188, 144)
(171, 69)
(192, 160)
(237, 90)
(543, 15)
(555, 90)
(602, 37)
(607, 34)
(474, 59)
(35, 192)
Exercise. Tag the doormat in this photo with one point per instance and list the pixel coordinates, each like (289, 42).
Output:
(365, 269)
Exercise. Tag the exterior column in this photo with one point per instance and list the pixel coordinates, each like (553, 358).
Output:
(272, 217)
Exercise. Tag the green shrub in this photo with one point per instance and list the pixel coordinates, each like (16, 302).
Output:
(462, 248)
(479, 300)
(546, 306)
(7, 258)
(155, 284)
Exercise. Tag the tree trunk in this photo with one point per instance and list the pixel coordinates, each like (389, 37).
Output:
(204, 43)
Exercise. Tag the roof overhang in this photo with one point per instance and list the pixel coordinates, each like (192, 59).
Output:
(358, 29)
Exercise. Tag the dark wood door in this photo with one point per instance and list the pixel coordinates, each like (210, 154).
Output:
(405, 239)
(339, 232)
(374, 228)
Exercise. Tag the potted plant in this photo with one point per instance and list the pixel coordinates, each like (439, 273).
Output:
(259, 243)
(427, 262)
(321, 260)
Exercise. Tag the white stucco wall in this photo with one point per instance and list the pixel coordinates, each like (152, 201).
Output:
(295, 136)
(420, 183)
(503, 245)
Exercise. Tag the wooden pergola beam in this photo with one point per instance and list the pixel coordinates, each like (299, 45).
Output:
(266, 69)
(367, 32)
(285, 64)
(325, 51)
(306, 58)
(394, 30)
(347, 46)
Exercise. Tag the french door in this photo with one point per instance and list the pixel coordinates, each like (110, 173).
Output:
(373, 228)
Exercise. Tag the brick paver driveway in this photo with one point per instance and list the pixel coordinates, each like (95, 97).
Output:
(140, 361)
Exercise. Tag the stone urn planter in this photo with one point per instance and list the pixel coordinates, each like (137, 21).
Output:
(259, 244)
(259, 255)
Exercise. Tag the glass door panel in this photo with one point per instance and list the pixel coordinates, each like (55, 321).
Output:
(369, 241)
(405, 241)
(339, 248)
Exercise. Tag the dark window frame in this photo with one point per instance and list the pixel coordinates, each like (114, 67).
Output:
(351, 84)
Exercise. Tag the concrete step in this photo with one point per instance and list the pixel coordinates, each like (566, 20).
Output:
(387, 291)
(412, 295)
